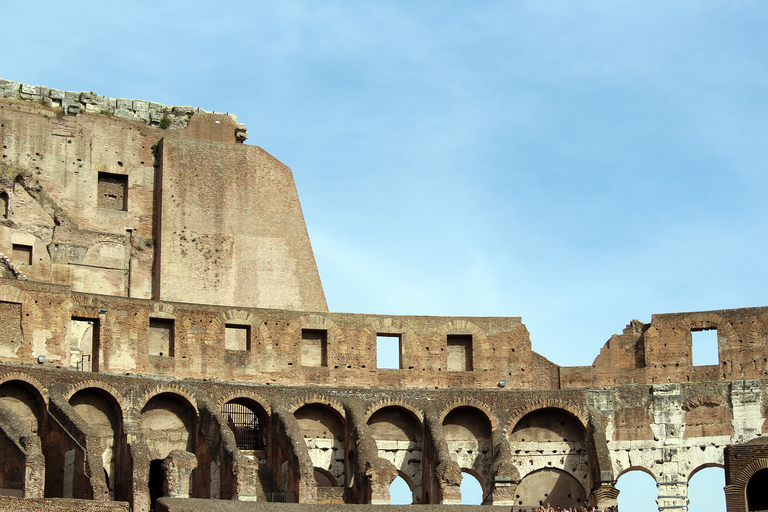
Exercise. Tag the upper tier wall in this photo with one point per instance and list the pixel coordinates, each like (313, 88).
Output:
(73, 103)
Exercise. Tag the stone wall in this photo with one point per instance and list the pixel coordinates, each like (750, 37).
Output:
(74, 103)
(82, 204)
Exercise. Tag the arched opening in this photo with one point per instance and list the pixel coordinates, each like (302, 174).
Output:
(548, 425)
(400, 492)
(553, 486)
(167, 424)
(102, 413)
(706, 489)
(637, 491)
(471, 489)
(246, 419)
(399, 439)
(324, 432)
(468, 434)
(757, 491)
(24, 401)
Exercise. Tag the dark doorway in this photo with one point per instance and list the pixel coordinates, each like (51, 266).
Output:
(156, 482)
(757, 491)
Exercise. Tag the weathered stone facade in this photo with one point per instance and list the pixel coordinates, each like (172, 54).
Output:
(165, 333)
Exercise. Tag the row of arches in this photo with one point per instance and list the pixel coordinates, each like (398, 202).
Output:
(114, 438)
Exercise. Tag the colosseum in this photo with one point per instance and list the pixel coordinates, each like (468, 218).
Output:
(167, 342)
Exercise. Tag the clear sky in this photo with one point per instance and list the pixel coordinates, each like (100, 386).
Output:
(578, 164)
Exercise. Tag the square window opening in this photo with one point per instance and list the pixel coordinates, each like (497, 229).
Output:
(459, 352)
(314, 347)
(113, 191)
(22, 254)
(237, 337)
(704, 347)
(161, 334)
(388, 351)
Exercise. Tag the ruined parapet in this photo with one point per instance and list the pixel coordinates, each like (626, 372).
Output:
(73, 103)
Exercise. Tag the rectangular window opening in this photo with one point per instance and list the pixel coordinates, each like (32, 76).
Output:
(314, 347)
(113, 191)
(459, 352)
(388, 351)
(160, 342)
(237, 337)
(22, 254)
(84, 344)
(704, 347)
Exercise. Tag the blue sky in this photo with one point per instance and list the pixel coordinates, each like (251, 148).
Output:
(578, 164)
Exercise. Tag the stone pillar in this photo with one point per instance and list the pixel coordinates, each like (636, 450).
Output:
(605, 495)
(746, 399)
(380, 478)
(668, 429)
(673, 495)
(447, 472)
(503, 491)
(505, 475)
(178, 466)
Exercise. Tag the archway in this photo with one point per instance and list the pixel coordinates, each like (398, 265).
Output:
(324, 432)
(468, 434)
(102, 413)
(400, 492)
(399, 439)
(637, 491)
(757, 496)
(471, 489)
(705, 489)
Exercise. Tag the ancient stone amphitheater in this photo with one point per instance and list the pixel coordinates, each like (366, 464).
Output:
(165, 340)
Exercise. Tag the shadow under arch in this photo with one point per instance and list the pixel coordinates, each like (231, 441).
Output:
(550, 485)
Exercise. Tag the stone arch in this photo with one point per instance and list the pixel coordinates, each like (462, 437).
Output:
(114, 394)
(571, 429)
(399, 435)
(319, 400)
(746, 473)
(249, 395)
(103, 414)
(248, 420)
(754, 491)
(168, 422)
(82, 305)
(325, 433)
(547, 403)
(171, 389)
(706, 465)
(25, 400)
(29, 381)
(476, 404)
(637, 468)
(482, 480)
(403, 404)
